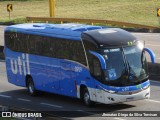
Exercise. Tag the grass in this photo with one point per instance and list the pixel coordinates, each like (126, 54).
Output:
(133, 11)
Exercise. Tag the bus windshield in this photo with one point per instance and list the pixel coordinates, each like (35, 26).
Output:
(125, 66)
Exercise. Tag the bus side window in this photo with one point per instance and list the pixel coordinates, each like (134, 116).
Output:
(10, 40)
(31, 44)
(61, 49)
(96, 68)
(52, 46)
(77, 52)
(45, 46)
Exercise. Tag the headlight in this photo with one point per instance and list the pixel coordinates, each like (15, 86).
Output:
(140, 45)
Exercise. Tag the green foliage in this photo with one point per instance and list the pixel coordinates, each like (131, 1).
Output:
(132, 11)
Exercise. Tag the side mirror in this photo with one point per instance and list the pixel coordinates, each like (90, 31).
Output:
(151, 53)
(101, 59)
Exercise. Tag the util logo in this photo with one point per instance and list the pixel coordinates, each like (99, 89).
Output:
(21, 65)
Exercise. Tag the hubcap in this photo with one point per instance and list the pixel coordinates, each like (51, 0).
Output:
(31, 88)
(86, 98)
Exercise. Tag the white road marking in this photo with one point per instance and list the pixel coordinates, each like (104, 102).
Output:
(153, 100)
(5, 96)
(153, 45)
(26, 100)
(118, 119)
(57, 106)
(85, 112)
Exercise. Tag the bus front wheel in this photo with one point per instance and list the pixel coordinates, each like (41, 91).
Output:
(86, 98)
(31, 87)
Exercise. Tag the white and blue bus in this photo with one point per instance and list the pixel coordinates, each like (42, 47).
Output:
(93, 63)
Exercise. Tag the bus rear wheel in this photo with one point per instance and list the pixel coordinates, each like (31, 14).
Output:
(86, 98)
(31, 88)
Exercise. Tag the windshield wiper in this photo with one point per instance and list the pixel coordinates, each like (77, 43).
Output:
(131, 73)
(128, 68)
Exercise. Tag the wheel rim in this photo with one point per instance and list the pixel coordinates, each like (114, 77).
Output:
(31, 88)
(86, 98)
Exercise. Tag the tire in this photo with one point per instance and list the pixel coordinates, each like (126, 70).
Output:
(31, 88)
(86, 98)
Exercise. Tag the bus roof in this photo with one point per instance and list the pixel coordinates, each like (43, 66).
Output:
(70, 30)
(97, 34)
(109, 37)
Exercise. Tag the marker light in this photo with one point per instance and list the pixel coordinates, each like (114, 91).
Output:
(140, 45)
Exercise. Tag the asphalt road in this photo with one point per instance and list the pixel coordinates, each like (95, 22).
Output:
(11, 95)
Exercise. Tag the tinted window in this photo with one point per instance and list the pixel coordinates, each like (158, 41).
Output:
(63, 49)
(21, 42)
(46, 46)
(70, 49)
(90, 46)
(10, 38)
(94, 64)
(95, 68)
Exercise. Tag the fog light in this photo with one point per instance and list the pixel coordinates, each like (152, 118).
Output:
(110, 98)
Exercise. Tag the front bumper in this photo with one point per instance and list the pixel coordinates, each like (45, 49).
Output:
(118, 98)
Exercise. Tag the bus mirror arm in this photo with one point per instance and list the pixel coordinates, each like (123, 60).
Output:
(101, 59)
(151, 53)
